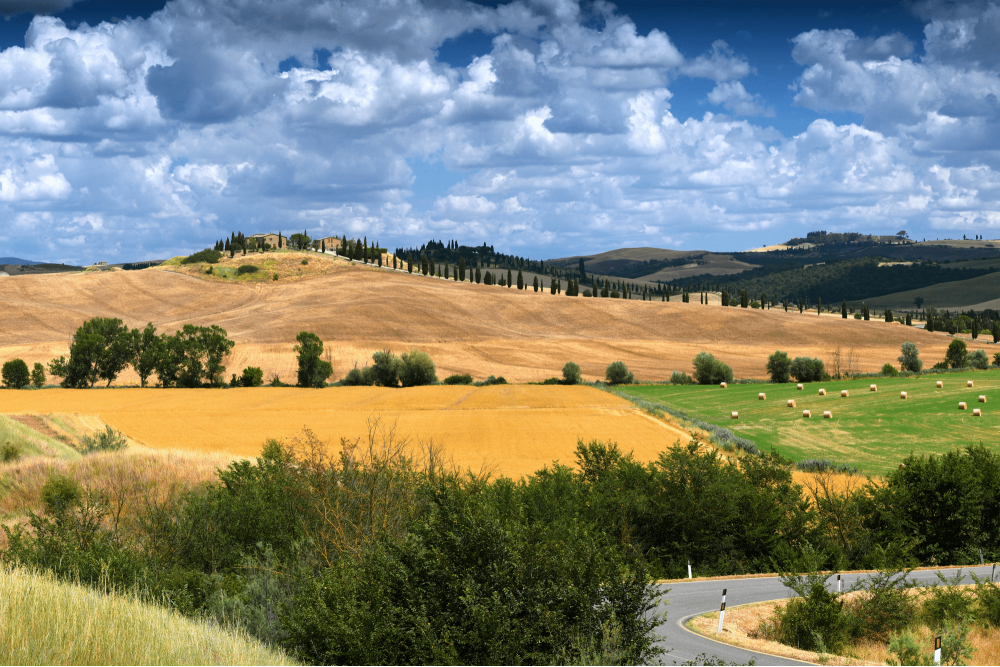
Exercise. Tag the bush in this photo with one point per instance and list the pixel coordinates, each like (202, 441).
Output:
(940, 366)
(947, 602)
(210, 256)
(814, 620)
(108, 440)
(247, 268)
(957, 354)
(805, 369)
(59, 493)
(304, 262)
(679, 377)
(617, 373)
(417, 369)
(571, 374)
(709, 370)
(883, 608)
(978, 360)
(826, 465)
(15, 374)
(458, 379)
(9, 452)
(492, 380)
(988, 597)
(274, 277)
(252, 377)
(778, 365)
(910, 360)
(384, 371)
(889, 370)
(354, 378)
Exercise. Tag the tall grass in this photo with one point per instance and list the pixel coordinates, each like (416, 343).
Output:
(46, 622)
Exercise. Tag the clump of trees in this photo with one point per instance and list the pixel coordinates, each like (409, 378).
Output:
(805, 369)
(618, 373)
(102, 348)
(413, 369)
(709, 370)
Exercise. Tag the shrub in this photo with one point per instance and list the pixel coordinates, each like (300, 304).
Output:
(9, 452)
(458, 379)
(988, 597)
(910, 360)
(778, 366)
(210, 256)
(996, 358)
(417, 369)
(247, 268)
(617, 373)
(815, 619)
(252, 377)
(889, 370)
(304, 262)
(274, 277)
(805, 369)
(59, 493)
(978, 360)
(679, 377)
(492, 380)
(825, 465)
(940, 366)
(957, 354)
(709, 370)
(947, 602)
(571, 374)
(108, 440)
(384, 371)
(15, 374)
(354, 378)
(38, 376)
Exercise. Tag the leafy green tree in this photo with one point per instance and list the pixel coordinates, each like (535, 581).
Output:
(385, 369)
(709, 370)
(417, 369)
(38, 376)
(169, 360)
(778, 365)
(978, 360)
(618, 373)
(252, 376)
(918, 302)
(15, 374)
(313, 370)
(805, 369)
(571, 373)
(910, 360)
(101, 349)
(147, 348)
(957, 354)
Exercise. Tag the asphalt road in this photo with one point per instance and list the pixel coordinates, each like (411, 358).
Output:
(692, 598)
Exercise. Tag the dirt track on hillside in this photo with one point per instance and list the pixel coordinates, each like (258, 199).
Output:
(523, 336)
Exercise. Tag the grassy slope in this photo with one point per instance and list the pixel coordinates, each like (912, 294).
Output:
(45, 622)
(871, 430)
(953, 295)
(32, 443)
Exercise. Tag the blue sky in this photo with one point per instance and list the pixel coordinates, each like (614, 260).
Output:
(548, 128)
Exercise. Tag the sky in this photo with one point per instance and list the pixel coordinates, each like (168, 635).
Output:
(547, 128)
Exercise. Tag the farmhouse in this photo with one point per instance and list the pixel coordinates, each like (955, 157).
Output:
(332, 242)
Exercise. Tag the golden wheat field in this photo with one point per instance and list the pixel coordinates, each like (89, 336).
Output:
(514, 430)
(466, 328)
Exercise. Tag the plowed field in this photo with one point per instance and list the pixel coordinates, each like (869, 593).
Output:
(522, 335)
(513, 429)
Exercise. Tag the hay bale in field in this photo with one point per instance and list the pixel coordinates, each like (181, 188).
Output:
(827, 414)
(723, 385)
(977, 413)
(799, 386)
(874, 387)
(761, 396)
(962, 406)
(982, 399)
(902, 395)
(791, 402)
(844, 393)
(940, 384)
(806, 414)
(735, 415)
(969, 383)
(822, 392)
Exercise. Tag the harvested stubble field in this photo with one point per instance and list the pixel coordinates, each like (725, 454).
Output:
(467, 328)
(514, 430)
(872, 430)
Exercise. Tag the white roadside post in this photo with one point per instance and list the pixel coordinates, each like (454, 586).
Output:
(689, 569)
(722, 610)
(839, 585)
(937, 650)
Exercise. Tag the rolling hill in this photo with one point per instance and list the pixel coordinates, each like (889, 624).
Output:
(357, 309)
(975, 293)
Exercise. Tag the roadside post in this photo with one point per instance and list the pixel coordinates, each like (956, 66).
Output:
(937, 650)
(722, 610)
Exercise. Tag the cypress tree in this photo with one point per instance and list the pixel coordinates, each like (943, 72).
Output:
(409, 262)
(909, 320)
(864, 311)
(393, 262)
(975, 329)
(843, 309)
(520, 280)
(535, 283)
(461, 269)
(446, 274)
(281, 241)
(423, 264)
(477, 275)
(509, 276)
(819, 305)
(380, 260)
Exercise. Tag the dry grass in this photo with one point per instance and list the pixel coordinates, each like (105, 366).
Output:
(517, 429)
(357, 309)
(47, 622)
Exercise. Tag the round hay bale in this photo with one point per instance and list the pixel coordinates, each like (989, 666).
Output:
(735, 415)
(874, 387)
(791, 402)
(962, 406)
(723, 385)
(982, 399)
(822, 392)
(827, 414)
(940, 384)
(761, 396)
(902, 395)
(806, 414)
(844, 393)
(799, 386)
(969, 383)
(977, 413)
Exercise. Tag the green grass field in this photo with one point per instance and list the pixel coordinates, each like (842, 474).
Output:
(872, 430)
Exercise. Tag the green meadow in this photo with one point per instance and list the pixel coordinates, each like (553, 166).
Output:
(872, 430)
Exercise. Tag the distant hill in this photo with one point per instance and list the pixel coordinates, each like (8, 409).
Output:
(654, 264)
(17, 261)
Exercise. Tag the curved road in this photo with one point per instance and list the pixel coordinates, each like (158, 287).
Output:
(692, 598)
